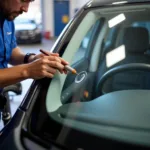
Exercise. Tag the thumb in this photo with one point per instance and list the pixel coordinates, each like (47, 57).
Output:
(54, 54)
(48, 53)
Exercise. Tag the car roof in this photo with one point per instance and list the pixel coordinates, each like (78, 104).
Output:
(96, 3)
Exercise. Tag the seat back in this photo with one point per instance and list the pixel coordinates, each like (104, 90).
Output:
(136, 42)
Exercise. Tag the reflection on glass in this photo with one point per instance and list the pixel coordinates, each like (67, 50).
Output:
(115, 56)
(122, 2)
(116, 20)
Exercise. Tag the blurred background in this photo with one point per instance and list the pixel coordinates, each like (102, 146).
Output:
(39, 28)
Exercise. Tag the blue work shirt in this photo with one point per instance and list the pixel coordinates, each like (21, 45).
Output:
(7, 41)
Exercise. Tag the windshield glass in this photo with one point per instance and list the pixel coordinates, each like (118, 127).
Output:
(105, 50)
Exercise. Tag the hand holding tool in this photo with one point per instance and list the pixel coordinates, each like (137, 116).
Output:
(67, 67)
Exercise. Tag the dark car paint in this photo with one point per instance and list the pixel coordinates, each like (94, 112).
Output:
(36, 39)
(21, 31)
(99, 3)
(10, 135)
(24, 111)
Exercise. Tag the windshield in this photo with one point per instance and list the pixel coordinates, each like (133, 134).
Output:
(109, 50)
(105, 39)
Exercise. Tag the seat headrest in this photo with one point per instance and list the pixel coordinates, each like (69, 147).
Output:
(136, 39)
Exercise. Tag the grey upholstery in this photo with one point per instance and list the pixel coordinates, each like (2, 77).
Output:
(136, 41)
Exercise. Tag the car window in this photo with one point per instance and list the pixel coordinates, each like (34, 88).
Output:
(118, 50)
(83, 46)
(110, 91)
(112, 45)
(74, 47)
(144, 24)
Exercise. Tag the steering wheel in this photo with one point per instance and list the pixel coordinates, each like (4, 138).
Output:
(119, 69)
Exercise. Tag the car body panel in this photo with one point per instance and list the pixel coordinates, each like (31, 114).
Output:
(27, 31)
(102, 3)
(29, 131)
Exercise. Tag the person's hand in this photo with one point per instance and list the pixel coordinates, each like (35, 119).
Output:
(38, 56)
(45, 66)
(41, 55)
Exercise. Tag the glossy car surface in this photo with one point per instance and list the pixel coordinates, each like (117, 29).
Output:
(105, 106)
(27, 31)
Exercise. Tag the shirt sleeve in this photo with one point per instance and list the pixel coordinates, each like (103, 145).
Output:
(14, 42)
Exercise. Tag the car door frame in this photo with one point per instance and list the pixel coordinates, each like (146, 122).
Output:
(13, 134)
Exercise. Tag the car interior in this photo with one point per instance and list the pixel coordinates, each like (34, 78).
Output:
(108, 100)
(136, 49)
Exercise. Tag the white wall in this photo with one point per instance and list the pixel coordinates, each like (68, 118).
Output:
(76, 4)
(33, 12)
(48, 13)
(72, 7)
(47, 16)
(80, 3)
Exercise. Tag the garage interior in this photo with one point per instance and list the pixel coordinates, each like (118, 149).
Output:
(51, 16)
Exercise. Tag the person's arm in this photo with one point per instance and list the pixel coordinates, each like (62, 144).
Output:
(12, 75)
(46, 66)
(17, 56)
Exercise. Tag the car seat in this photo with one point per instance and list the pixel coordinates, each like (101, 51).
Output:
(136, 42)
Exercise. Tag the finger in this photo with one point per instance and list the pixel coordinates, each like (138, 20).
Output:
(61, 71)
(65, 71)
(48, 53)
(48, 75)
(64, 62)
(54, 62)
(54, 58)
(54, 54)
(51, 70)
(39, 56)
(56, 65)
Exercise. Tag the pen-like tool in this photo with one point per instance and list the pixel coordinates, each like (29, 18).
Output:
(67, 67)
